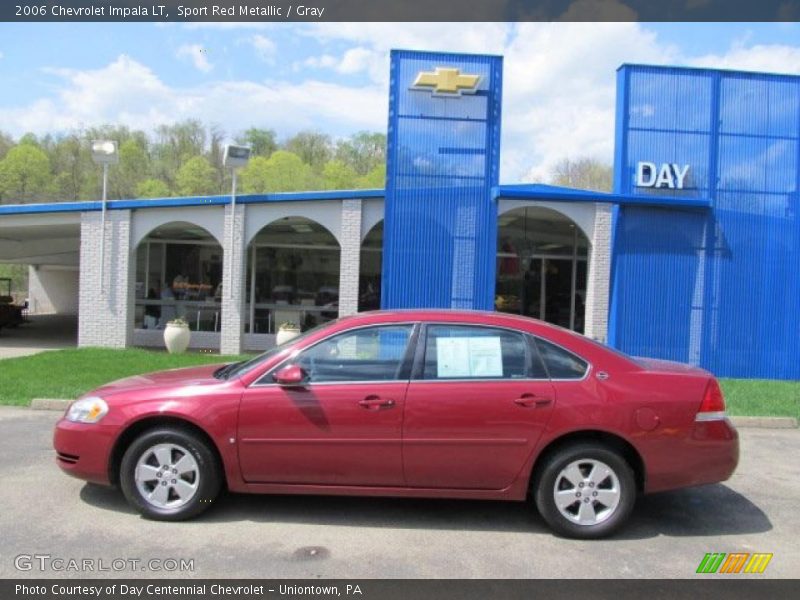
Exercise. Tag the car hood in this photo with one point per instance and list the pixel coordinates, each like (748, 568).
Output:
(187, 377)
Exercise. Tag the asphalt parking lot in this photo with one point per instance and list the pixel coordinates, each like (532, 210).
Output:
(45, 512)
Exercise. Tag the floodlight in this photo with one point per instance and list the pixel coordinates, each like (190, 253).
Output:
(104, 152)
(236, 156)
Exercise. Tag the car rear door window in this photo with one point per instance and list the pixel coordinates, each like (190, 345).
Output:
(561, 363)
(367, 354)
(468, 352)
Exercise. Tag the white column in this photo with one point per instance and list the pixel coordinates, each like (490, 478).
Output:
(233, 278)
(350, 261)
(106, 296)
(598, 280)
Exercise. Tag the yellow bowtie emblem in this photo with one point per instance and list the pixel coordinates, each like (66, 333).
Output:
(446, 82)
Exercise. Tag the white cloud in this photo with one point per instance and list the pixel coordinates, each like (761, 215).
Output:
(1, 55)
(129, 93)
(197, 54)
(265, 48)
(773, 58)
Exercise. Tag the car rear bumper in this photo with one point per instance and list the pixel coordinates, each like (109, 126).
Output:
(83, 450)
(710, 455)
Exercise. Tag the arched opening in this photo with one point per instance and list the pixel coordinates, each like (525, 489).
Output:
(542, 260)
(369, 276)
(292, 276)
(178, 274)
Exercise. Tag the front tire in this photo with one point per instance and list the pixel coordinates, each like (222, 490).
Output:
(170, 474)
(585, 491)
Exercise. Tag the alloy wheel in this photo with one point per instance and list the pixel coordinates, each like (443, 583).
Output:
(167, 476)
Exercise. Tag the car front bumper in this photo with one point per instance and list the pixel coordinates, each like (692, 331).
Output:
(83, 450)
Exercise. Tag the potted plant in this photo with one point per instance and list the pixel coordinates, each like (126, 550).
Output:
(177, 335)
(287, 331)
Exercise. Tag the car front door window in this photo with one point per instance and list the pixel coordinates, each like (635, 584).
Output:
(369, 354)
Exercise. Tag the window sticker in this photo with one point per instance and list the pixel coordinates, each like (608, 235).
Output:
(469, 357)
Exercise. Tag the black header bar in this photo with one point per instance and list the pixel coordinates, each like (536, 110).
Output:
(398, 10)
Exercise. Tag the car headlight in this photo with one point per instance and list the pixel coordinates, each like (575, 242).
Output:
(87, 410)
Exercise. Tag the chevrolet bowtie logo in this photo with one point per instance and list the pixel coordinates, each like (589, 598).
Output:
(446, 82)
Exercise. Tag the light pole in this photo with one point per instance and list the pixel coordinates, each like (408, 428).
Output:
(104, 152)
(234, 157)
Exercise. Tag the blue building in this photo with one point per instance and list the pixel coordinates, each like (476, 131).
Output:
(693, 257)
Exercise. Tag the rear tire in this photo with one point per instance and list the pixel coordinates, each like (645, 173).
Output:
(585, 490)
(170, 474)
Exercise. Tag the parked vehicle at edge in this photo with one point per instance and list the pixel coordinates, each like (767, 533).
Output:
(411, 403)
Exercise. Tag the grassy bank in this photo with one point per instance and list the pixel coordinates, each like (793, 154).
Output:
(762, 398)
(70, 373)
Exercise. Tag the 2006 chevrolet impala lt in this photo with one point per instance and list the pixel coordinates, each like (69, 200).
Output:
(420, 403)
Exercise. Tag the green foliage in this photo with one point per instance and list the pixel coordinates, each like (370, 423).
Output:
(196, 177)
(338, 175)
(312, 147)
(281, 172)
(6, 143)
(584, 174)
(363, 152)
(24, 173)
(19, 279)
(132, 168)
(152, 188)
(262, 142)
(184, 158)
(375, 179)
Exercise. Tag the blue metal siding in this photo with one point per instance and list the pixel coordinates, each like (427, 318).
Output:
(440, 222)
(720, 290)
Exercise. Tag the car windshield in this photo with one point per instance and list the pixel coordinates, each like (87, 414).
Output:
(240, 368)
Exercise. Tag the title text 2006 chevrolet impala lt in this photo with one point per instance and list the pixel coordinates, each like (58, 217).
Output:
(411, 403)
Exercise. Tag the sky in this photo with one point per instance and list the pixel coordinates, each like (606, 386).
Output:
(558, 94)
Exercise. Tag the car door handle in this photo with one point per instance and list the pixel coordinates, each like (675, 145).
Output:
(376, 403)
(528, 400)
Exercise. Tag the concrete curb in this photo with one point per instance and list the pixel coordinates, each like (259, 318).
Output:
(765, 422)
(49, 404)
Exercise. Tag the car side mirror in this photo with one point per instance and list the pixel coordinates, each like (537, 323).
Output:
(291, 375)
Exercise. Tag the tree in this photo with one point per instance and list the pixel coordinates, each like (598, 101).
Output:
(131, 170)
(77, 177)
(584, 174)
(337, 175)
(152, 188)
(312, 147)
(175, 144)
(363, 151)
(196, 177)
(375, 179)
(215, 156)
(262, 142)
(6, 143)
(281, 172)
(24, 173)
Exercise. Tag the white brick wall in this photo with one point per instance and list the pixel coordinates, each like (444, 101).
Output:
(350, 264)
(53, 290)
(233, 272)
(105, 302)
(599, 275)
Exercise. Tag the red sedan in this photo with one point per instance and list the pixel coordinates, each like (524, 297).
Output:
(411, 403)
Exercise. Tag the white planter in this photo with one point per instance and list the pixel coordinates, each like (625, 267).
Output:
(285, 335)
(176, 338)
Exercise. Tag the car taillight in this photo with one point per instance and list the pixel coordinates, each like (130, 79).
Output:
(713, 405)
